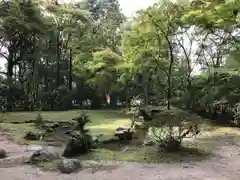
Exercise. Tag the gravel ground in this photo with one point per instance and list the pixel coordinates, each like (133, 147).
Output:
(223, 165)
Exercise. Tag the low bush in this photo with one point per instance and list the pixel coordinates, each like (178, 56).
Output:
(170, 127)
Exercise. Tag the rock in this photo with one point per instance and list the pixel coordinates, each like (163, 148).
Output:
(69, 165)
(65, 126)
(125, 149)
(123, 133)
(77, 146)
(123, 129)
(43, 155)
(3, 153)
(29, 121)
(49, 130)
(56, 125)
(69, 132)
(32, 136)
(149, 143)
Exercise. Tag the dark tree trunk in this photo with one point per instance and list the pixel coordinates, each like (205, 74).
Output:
(10, 66)
(58, 60)
(169, 79)
(46, 76)
(70, 70)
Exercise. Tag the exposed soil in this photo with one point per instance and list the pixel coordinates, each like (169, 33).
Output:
(223, 165)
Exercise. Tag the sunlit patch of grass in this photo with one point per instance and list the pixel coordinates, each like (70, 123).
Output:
(108, 129)
(227, 131)
(97, 116)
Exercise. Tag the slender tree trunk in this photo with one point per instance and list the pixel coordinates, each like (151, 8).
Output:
(10, 66)
(70, 70)
(46, 82)
(15, 73)
(46, 75)
(169, 79)
(146, 94)
(58, 61)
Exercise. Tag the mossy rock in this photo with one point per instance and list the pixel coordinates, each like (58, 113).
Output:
(3, 153)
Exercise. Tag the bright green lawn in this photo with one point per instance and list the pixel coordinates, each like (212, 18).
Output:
(97, 116)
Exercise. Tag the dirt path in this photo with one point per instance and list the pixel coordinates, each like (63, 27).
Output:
(224, 165)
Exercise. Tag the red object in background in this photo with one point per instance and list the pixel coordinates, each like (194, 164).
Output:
(108, 99)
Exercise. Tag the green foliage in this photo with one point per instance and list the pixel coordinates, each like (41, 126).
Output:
(82, 120)
(62, 98)
(59, 53)
(39, 119)
(213, 14)
(170, 127)
(103, 68)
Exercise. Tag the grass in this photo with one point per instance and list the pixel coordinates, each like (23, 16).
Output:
(98, 116)
(105, 122)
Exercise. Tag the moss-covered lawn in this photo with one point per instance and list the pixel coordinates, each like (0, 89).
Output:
(106, 121)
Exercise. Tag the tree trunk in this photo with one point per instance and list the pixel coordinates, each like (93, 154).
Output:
(146, 94)
(70, 71)
(58, 60)
(46, 76)
(10, 66)
(169, 79)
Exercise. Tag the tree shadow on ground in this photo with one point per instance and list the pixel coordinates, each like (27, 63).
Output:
(131, 151)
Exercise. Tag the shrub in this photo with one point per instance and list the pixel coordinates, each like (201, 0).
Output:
(81, 121)
(62, 98)
(237, 114)
(81, 141)
(47, 101)
(170, 127)
(39, 119)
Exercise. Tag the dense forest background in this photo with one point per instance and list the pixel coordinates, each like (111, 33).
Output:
(182, 54)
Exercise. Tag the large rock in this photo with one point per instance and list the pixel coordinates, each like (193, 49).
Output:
(78, 146)
(69, 165)
(124, 133)
(3, 153)
(32, 136)
(43, 155)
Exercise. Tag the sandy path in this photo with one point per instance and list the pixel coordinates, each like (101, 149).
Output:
(225, 165)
